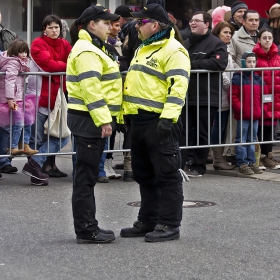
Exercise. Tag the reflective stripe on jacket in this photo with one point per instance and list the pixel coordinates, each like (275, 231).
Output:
(157, 80)
(93, 81)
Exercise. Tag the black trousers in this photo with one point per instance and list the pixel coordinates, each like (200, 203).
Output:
(197, 156)
(155, 165)
(88, 152)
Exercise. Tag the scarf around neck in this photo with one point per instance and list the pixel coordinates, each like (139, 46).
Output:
(112, 40)
(157, 36)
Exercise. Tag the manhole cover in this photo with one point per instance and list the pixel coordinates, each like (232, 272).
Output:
(186, 203)
(195, 203)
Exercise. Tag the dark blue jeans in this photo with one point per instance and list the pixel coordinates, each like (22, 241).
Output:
(16, 133)
(4, 135)
(245, 153)
(53, 145)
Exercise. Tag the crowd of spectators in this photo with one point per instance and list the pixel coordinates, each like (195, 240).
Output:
(217, 40)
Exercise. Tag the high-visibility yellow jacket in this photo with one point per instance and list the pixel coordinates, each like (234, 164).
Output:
(157, 79)
(93, 81)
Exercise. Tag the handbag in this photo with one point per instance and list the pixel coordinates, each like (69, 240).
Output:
(56, 124)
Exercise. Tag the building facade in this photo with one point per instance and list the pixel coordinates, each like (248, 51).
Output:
(25, 16)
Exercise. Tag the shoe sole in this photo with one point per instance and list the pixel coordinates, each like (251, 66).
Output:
(274, 168)
(18, 154)
(30, 175)
(262, 167)
(194, 176)
(141, 234)
(174, 237)
(128, 179)
(85, 241)
(30, 153)
(116, 177)
(40, 184)
(52, 175)
(246, 173)
(8, 172)
(135, 235)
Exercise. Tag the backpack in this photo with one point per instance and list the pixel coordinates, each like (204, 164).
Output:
(7, 37)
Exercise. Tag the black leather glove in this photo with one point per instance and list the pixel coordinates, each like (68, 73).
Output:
(164, 128)
(121, 128)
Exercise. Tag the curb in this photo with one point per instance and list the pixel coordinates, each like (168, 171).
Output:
(266, 175)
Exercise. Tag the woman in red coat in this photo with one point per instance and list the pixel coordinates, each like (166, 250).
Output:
(50, 52)
(267, 54)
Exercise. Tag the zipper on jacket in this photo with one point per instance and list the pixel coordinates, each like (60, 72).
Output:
(153, 53)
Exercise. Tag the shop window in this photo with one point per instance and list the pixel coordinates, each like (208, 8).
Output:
(184, 9)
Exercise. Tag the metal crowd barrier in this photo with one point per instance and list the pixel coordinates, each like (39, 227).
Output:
(118, 148)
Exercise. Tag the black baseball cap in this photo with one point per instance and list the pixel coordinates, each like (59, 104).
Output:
(153, 11)
(123, 11)
(94, 12)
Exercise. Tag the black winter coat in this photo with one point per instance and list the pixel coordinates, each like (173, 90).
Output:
(210, 53)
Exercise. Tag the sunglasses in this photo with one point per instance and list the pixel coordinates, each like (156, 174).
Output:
(141, 22)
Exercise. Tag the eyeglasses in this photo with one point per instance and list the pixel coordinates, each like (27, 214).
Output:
(195, 20)
(141, 22)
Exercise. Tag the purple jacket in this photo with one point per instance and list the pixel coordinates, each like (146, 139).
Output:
(12, 85)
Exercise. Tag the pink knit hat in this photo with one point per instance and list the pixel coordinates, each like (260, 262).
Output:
(218, 14)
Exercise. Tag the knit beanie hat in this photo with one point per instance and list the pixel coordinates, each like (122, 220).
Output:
(244, 57)
(237, 5)
(274, 11)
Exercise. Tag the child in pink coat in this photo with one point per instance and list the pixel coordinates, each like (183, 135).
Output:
(13, 108)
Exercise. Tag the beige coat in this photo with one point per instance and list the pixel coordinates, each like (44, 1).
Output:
(240, 43)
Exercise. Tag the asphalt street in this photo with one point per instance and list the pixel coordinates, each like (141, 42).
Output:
(233, 234)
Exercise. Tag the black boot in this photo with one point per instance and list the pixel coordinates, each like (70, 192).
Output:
(163, 233)
(100, 236)
(128, 176)
(139, 229)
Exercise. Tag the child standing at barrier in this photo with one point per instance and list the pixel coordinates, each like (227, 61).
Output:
(15, 61)
(247, 104)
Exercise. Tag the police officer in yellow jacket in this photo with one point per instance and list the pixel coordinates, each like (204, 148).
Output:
(154, 94)
(94, 87)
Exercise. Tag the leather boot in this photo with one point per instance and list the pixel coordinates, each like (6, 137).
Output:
(28, 151)
(139, 229)
(219, 162)
(163, 233)
(15, 152)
